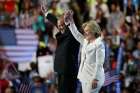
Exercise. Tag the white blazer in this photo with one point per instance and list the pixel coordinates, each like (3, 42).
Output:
(92, 58)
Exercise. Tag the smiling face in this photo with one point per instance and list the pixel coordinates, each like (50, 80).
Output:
(88, 33)
(91, 30)
(60, 25)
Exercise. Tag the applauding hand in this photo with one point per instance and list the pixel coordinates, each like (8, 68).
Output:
(44, 7)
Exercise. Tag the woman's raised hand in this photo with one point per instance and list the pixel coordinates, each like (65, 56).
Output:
(68, 17)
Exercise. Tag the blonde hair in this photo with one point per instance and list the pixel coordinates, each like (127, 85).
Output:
(95, 28)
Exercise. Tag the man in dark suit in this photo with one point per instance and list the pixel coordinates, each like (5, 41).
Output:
(66, 56)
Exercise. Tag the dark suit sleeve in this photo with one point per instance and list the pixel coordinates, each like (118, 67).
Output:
(52, 18)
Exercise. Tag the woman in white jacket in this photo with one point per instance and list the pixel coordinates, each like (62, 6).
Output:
(91, 71)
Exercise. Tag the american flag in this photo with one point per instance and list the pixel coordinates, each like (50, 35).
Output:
(25, 86)
(110, 77)
(17, 45)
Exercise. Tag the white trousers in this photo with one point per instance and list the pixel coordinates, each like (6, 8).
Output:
(87, 85)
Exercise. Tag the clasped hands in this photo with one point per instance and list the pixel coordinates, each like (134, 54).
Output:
(68, 14)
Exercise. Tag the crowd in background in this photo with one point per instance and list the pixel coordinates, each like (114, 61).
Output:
(118, 19)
